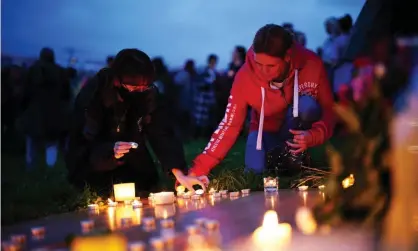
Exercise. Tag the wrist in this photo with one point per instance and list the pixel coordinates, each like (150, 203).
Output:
(177, 172)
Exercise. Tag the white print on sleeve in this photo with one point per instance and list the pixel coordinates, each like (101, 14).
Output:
(223, 127)
(309, 88)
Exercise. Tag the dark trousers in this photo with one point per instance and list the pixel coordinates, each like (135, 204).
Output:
(309, 112)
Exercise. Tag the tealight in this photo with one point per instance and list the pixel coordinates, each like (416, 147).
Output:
(217, 195)
(38, 231)
(272, 234)
(233, 194)
(86, 225)
(149, 222)
(167, 223)
(212, 225)
(136, 204)
(199, 192)
(192, 229)
(18, 238)
(163, 198)
(245, 191)
(305, 221)
(10, 246)
(93, 207)
(224, 192)
(303, 188)
(112, 203)
(195, 197)
(321, 187)
(134, 145)
(157, 243)
(180, 190)
(137, 246)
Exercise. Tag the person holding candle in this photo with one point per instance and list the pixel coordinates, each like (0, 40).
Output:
(115, 114)
(287, 88)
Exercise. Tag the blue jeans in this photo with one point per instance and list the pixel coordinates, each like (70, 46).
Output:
(34, 148)
(309, 112)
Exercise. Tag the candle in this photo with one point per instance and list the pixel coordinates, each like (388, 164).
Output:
(212, 191)
(134, 145)
(305, 221)
(164, 198)
(114, 242)
(224, 192)
(93, 207)
(303, 188)
(157, 243)
(180, 190)
(149, 222)
(167, 223)
(124, 191)
(18, 238)
(86, 225)
(136, 204)
(137, 246)
(199, 192)
(38, 232)
(233, 194)
(200, 222)
(187, 195)
(212, 225)
(245, 191)
(195, 197)
(217, 195)
(321, 187)
(272, 235)
(192, 229)
(348, 182)
(111, 203)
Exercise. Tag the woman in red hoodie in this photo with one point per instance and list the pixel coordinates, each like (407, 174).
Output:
(287, 88)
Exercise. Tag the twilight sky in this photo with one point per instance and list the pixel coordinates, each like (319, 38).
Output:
(175, 29)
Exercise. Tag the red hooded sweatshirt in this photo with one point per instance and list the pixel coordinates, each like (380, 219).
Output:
(269, 105)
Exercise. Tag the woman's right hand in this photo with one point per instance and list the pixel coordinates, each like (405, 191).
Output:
(121, 148)
(188, 181)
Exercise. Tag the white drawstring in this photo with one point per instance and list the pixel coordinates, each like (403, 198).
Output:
(296, 96)
(295, 109)
(261, 121)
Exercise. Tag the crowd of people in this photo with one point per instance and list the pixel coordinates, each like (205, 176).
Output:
(93, 121)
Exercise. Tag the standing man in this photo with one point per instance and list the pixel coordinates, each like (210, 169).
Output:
(287, 88)
(115, 115)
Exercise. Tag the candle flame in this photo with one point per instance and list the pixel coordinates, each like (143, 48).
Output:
(271, 219)
(348, 182)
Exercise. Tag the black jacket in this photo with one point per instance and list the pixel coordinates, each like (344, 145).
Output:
(101, 118)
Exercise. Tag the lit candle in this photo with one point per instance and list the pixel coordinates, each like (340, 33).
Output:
(272, 235)
(224, 192)
(111, 203)
(199, 192)
(212, 191)
(93, 207)
(303, 188)
(180, 190)
(18, 238)
(163, 198)
(187, 195)
(124, 191)
(134, 145)
(321, 187)
(86, 225)
(136, 204)
(233, 194)
(245, 191)
(305, 221)
(38, 232)
(114, 242)
(137, 246)
(348, 182)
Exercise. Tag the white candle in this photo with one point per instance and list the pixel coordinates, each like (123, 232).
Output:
(272, 234)
(18, 238)
(111, 203)
(86, 225)
(137, 246)
(93, 207)
(224, 192)
(233, 194)
(163, 198)
(199, 192)
(217, 195)
(136, 204)
(212, 191)
(180, 190)
(124, 191)
(245, 191)
(134, 145)
(303, 188)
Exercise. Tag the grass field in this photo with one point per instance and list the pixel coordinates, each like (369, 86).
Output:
(32, 194)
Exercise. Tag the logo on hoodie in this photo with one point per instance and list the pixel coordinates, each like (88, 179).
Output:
(309, 88)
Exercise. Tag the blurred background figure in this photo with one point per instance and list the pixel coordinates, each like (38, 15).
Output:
(46, 108)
